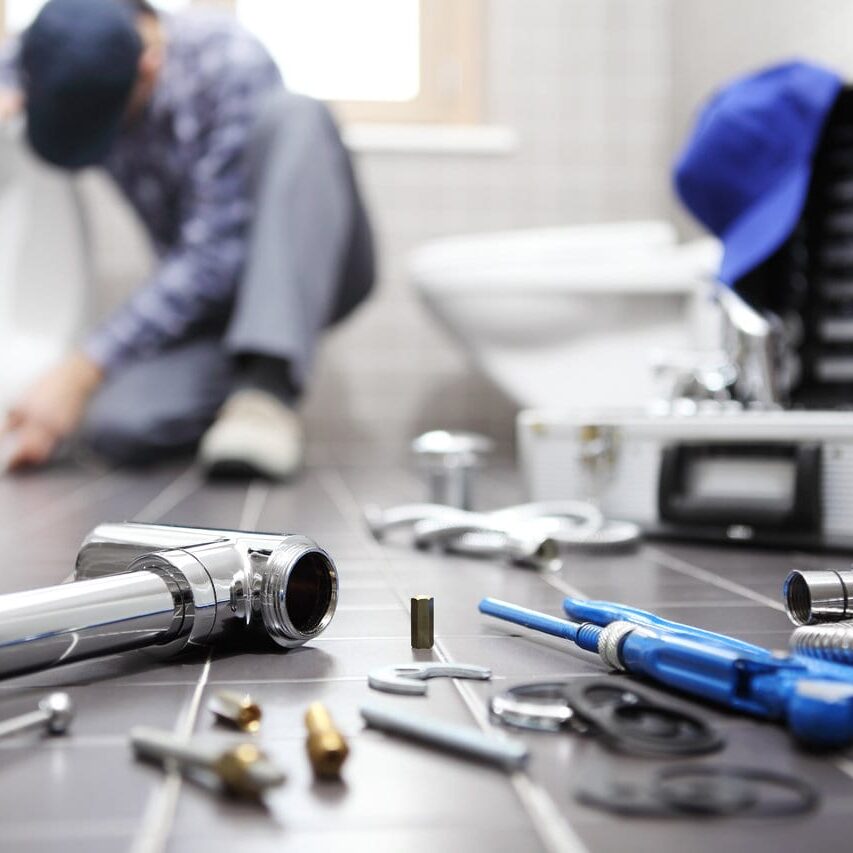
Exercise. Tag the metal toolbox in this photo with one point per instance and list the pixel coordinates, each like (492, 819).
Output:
(772, 478)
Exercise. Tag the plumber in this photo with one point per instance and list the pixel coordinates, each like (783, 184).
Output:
(251, 202)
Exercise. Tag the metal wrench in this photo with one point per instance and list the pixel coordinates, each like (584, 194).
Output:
(409, 678)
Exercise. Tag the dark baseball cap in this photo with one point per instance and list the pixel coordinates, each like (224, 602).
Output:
(79, 61)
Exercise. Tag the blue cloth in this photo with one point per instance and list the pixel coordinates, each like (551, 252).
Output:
(745, 171)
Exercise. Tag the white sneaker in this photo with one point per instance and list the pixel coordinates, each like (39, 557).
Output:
(254, 434)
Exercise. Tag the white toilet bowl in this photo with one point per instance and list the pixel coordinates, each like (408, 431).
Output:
(571, 316)
(44, 280)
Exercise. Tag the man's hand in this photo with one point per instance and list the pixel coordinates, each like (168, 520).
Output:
(11, 104)
(50, 410)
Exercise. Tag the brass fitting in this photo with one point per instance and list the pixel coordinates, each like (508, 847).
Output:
(423, 626)
(327, 747)
(246, 772)
(237, 710)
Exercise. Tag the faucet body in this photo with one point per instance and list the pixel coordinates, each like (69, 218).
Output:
(142, 585)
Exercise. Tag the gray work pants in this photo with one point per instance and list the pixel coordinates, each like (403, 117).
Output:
(310, 262)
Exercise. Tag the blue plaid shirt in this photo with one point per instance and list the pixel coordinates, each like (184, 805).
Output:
(181, 165)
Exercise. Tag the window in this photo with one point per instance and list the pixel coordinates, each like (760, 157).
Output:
(377, 60)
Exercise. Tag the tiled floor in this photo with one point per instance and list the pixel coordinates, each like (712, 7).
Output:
(85, 791)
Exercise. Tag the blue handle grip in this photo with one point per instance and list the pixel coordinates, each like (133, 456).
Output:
(605, 612)
(818, 710)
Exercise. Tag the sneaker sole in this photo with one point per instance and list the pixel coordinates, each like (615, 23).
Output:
(240, 469)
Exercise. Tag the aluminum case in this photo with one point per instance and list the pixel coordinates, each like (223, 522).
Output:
(636, 466)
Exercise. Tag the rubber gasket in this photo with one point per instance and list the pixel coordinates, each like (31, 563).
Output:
(722, 791)
(642, 724)
(625, 717)
(675, 789)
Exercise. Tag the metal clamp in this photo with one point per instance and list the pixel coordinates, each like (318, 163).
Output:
(409, 678)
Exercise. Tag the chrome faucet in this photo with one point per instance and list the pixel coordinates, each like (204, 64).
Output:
(152, 585)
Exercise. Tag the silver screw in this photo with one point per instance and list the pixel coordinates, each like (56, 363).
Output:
(54, 715)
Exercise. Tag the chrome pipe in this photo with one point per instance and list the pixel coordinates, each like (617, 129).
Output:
(141, 585)
(818, 596)
(43, 628)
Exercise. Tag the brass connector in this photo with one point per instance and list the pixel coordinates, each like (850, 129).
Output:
(237, 710)
(423, 629)
(327, 747)
(246, 772)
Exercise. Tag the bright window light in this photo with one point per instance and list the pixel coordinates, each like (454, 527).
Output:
(339, 49)
(19, 13)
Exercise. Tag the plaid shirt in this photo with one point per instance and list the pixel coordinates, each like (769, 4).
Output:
(181, 165)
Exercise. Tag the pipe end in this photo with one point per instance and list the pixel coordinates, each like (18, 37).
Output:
(815, 596)
(299, 593)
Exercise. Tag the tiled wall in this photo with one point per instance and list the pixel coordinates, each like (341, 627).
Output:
(586, 85)
(713, 42)
(600, 92)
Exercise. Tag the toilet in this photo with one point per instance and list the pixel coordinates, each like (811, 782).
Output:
(574, 316)
(44, 278)
(71, 251)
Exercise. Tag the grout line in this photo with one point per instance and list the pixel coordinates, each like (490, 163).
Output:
(345, 502)
(160, 811)
(177, 491)
(187, 721)
(555, 832)
(563, 586)
(171, 495)
(162, 807)
(845, 765)
(83, 494)
(682, 567)
(253, 507)
(446, 634)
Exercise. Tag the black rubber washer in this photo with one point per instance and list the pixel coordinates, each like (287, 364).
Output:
(641, 724)
(705, 790)
(625, 717)
(719, 789)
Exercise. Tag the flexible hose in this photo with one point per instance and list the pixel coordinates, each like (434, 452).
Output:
(833, 642)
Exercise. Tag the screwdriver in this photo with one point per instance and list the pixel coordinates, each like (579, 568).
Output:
(817, 707)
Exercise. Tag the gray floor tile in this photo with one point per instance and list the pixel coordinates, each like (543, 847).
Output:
(67, 783)
(386, 782)
(86, 791)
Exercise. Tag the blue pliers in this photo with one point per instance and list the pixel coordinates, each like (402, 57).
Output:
(814, 698)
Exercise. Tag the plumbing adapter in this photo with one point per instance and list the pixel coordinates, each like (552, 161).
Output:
(171, 588)
(818, 596)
